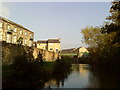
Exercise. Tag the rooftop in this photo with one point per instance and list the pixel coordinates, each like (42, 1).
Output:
(42, 41)
(49, 41)
(53, 40)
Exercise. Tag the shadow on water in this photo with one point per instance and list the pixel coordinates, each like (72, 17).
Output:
(61, 76)
(82, 76)
(104, 79)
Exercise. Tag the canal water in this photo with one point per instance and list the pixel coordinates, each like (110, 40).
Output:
(82, 76)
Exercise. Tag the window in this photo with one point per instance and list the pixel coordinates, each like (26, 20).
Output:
(8, 27)
(51, 49)
(15, 29)
(14, 39)
(31, 36)
(8, 40)
(25, 33)
(20, 31)
(56, 50)
(30, 43)
(0, 35)
(25, 41)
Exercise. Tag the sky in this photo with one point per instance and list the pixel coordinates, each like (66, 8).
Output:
(64, 20)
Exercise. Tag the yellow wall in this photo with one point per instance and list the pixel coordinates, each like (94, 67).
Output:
(82, 50)
(42, 46)
(7, 26)
(54, 46)
(47, 55)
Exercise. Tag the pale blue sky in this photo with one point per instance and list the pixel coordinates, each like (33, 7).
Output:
(58, 20)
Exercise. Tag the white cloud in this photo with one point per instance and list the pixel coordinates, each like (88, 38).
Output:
(4, 11)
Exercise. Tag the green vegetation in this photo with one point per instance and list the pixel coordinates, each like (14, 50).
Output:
(104, 41)
(25, 72)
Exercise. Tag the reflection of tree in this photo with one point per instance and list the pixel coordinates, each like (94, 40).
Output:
(61, 71)
(104, 79)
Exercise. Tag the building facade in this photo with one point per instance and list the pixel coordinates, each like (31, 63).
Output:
(11, 32)
(42, 44)
(50, 45)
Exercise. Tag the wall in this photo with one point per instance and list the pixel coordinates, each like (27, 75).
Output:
(47, 55)
(14, 32)
(10, 51)
(81, 51)
(42, 45)
(54, 46)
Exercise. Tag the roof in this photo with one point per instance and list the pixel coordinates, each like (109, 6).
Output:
(42, 41)
(53, 40)
(8, 21)
(72, 50)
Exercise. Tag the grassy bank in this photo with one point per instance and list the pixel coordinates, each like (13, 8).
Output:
(34, 74)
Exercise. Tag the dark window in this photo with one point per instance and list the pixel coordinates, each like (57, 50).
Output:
(56, 50)
(51, 49)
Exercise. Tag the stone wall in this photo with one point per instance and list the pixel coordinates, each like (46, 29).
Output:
(10, 51)
(47, 55)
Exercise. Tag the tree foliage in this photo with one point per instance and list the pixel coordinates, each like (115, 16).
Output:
(114, 26)
(94, 38)
(106, 40)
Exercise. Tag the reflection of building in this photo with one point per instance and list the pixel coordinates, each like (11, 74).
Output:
(52, 83)
(50, 45)
(15, 33)
(83, 68)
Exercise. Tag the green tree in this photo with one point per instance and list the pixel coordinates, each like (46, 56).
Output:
(20, 41)
(114, 26)
(100, 43)
(94, 38)
(39, 58)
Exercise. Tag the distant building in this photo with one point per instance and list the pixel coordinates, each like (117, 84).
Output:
(82, 51)
(50, 45)
(75, 51)
(69, 52)
(11, 32)
(42, 44)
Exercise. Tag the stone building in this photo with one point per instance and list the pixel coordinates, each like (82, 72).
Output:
(81, 51)
(50, 45)
(42, 44)
(11, 32)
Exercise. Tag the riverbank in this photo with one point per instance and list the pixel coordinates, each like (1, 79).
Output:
(34, 74)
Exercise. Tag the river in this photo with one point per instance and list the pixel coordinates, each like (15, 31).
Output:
(82, 76)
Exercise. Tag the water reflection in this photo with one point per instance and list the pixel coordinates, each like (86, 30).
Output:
(78, 78)
(104, 79)
(82, 76)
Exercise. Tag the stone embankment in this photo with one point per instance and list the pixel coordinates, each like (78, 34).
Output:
(10, 51)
